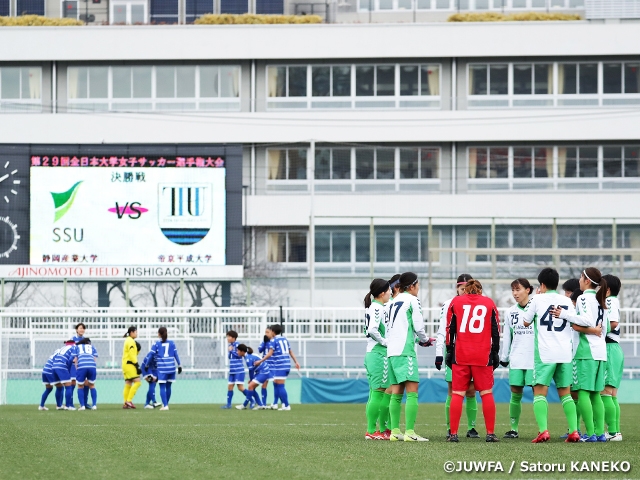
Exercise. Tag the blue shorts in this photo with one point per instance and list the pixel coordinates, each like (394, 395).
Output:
(61, 375)
(236, 378)
(88, 373)
(73, 371)
(166, 377)
(281, 374)
(260, 378)
(153, 373)
(48, 378)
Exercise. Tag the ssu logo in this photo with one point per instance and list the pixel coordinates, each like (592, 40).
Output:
(184, 212)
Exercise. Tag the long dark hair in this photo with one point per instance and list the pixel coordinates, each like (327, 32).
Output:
(597, 280)
(613, 284)
(132, 328)
(162, 331)
(463, 278)
(524, 282)
(377, 287)
(406, 280)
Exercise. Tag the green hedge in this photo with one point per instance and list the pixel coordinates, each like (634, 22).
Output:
(38, 21)
(513, 17)
(249, 19)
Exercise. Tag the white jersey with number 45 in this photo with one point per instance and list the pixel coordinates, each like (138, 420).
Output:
(553, 337)
(404, 324)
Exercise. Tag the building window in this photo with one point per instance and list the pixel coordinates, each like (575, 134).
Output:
(418, 80)
(196, 8)
(578, 162)
(70, 9)
(532, 162)
(128, 13)
(5, 8)
(585, 236)
(331, 81)
(234, 6)
(30, 7)
(620, 162)
(489, 162)
(163, 11)
(333, 246)
(287, 81)
(577, 78)
(287, 164)
(287, 247)
(20, 89)
(489, 79)
(333, 164)
(621, 77)
(419, 163)
(139, 88)
(533, 79)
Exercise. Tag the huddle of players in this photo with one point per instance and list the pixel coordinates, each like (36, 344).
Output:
(538, 343)
(274, 365)
(70, 366)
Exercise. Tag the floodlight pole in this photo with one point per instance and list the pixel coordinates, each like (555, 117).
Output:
(311, 159)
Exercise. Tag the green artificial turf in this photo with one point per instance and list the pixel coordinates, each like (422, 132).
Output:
(310, 441)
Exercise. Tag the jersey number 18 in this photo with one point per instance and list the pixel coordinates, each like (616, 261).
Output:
(476, 322)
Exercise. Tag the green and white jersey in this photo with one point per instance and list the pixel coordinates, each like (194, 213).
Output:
(375, 319)
(441, 336)
(405, 323)
(613, 315)
(591, 314)
(517, 340)
(553, 338)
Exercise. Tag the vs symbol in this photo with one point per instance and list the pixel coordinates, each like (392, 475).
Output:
(133, 210)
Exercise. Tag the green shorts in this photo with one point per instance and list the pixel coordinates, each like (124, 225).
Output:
(403, 369)
(377, 370)
(520, 378)
(588, 375)
(543, 373)
(447, 373)
(615, 365)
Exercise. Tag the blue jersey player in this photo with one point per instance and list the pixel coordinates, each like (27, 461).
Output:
(250, 360)
(62, 362)
(261, 374)
(49, 381)
(280, 350)
(236, 367)
(264, 348)
(86, 373)
(150, 373)
(167, 359)
(80, 330)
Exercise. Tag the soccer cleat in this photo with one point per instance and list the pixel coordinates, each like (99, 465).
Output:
(573, 437)
(396, 436)
(616, 437)
(411, 436)
(448, 434)
(61, 408)
(602, 438)
(370, 436)
(157, 404)
(70, 408)
(564, 436)
(43, 409)
(492, 438)
(257, 407)
(125, 406)
(131, 405)
(453, 438)
(542, 437)
(81, 408)
(285, 409)
(241, 407)
(386, 434)
(472, 433)
(94, 407)
(274, 406)
(511, 434)
(148, 407)
(589, 439)
(226, 407)
(379, 436)
(164, 408)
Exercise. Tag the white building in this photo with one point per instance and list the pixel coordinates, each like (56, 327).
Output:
(433, 136)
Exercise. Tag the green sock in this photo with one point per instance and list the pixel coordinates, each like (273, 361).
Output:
(447, 403)
(615, 401)
(373, 409)
(598, 412)
(411, 410)
(575, 402)
(472, 412)
(569, 407)
(586, 410)
(395, 407)
(609, 412)
(383, 414)
(541, 411)
(515, 409)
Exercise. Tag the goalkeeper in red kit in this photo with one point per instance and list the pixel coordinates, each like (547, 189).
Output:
(472, 352)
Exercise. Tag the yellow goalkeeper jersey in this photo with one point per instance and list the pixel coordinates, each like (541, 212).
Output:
(130, 352)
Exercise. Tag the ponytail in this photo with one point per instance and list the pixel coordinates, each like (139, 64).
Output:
(601, 294)
(132, 328)
(378, 287)
(597, 281)
(473, 287)
(162, 331)
(407, 279)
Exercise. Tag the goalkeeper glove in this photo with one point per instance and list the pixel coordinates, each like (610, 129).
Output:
(179, 370)
(504, 364)
(428, 343)
(495, 360)
(138, 371)
(438, 362)
(449, 359)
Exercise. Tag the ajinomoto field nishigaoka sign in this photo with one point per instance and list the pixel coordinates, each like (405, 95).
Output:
(139, 216)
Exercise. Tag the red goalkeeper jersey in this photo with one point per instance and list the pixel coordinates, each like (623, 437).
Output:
(474, 331)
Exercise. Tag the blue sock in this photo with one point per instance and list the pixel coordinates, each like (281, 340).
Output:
(68, 395)
(86, 396)
(264, 396)
(148, 399)
(94, 397)
(152, 392)
(81, 396)
(163, 393)
(229, 397)
(169, 392)
(59, 396)
(284, 396)
(257, 399)
(276, 393)
(46, 393)
(246, 402)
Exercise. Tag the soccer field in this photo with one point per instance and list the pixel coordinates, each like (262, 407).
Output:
(310, 441)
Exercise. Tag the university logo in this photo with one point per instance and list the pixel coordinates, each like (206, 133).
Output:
(184, 212)
(63, 201)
